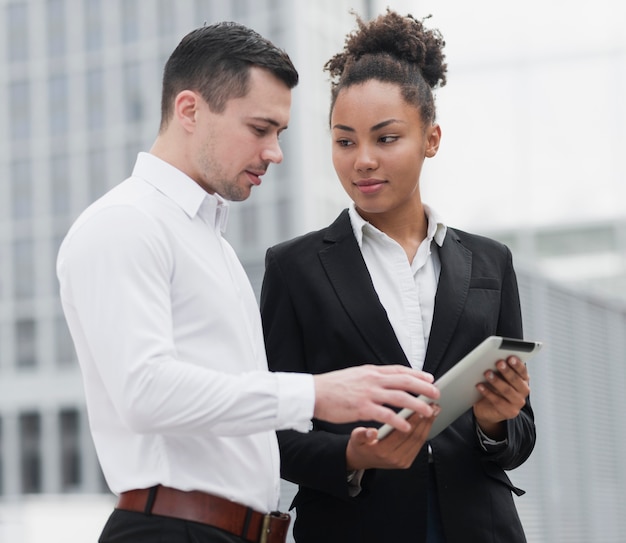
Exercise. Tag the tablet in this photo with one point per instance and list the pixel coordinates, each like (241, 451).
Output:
(457, 386)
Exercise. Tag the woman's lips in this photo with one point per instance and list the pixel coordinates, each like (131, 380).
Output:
(370, 186)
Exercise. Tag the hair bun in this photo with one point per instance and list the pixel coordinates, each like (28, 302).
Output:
(404, 38)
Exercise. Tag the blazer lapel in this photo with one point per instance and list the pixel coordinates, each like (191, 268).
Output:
(347, 272)
(454, 281)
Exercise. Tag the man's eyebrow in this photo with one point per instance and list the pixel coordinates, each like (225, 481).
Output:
(271, 121)
(377, 126)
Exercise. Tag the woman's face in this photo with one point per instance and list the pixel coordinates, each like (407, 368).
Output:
(379, 143)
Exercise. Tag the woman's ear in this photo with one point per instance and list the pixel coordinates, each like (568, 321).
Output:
(433, 138)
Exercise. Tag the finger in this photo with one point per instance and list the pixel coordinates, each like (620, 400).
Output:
(422, 424)
(403, 400)
(513, 378)
(364, 436)
(409, 383)
(490, 407)
(518, 367)
(404, 370)
(500, 406)
(387, 415)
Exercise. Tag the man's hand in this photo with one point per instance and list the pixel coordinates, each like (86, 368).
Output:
(397, 451)
(504, 394)
(366, 392)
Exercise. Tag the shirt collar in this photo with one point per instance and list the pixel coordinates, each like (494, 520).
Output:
(182, 190)
(436, 228)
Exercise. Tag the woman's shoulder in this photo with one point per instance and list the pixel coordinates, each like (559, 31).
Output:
(316, 238)
(475, 241)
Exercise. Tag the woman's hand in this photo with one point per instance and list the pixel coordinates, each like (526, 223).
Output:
(396, 451)
(504, 394)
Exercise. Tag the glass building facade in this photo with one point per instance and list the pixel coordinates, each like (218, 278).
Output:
(80, 96)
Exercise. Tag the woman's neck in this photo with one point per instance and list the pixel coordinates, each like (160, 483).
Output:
(408, 229)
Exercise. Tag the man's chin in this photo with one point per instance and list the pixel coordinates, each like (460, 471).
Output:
(238, 195)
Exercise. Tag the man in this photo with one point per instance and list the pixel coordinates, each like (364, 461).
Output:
(181, 406)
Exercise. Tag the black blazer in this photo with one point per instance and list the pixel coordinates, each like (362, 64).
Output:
(321, 313)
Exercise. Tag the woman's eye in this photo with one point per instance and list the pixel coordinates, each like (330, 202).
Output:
(344, 143)
(388, 139)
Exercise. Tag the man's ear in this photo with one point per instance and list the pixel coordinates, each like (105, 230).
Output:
(433, 138)
(186, 108)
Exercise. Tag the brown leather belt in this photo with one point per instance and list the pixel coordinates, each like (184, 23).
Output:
(205, 508)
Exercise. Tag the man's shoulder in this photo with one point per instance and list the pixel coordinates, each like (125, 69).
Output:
(124, 208)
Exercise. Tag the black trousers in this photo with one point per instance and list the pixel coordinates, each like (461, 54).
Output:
(131, 527)
(434, 531)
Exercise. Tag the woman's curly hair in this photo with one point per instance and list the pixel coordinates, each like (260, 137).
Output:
(392, 49)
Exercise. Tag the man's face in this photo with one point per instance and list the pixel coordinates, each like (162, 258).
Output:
(235, 147)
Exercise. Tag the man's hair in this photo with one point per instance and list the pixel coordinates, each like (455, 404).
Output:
(215, 61)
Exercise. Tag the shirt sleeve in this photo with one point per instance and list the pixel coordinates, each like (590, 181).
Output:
(488, 444)
(115, 271)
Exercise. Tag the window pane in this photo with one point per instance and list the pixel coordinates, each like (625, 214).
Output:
(130, 21)
(250, 225)
(60, 185)
(58, 104)
(23, 269)
(16, 34)
(93, 25)
(26, 343)
(21, 190)
(166, 16)
(69, 424)
(97, 174)
(19, 108)
(56, 27)
(65, 354)
(30, 452)
(95, 99)
(132, 92)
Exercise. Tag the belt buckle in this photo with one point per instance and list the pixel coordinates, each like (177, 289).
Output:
(265, 528)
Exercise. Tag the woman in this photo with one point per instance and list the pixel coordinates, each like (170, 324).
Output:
(388, 282)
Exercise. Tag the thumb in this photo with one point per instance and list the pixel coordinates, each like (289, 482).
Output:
(363, 436)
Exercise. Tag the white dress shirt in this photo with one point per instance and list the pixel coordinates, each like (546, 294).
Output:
(405, 289)
(168, 335)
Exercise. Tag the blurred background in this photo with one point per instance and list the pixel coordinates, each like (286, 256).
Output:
(534, 131)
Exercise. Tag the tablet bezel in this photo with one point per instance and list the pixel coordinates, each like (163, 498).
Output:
(458, 385)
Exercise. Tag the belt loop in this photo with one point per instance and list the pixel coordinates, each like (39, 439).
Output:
(152, 492)
(246, 522)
